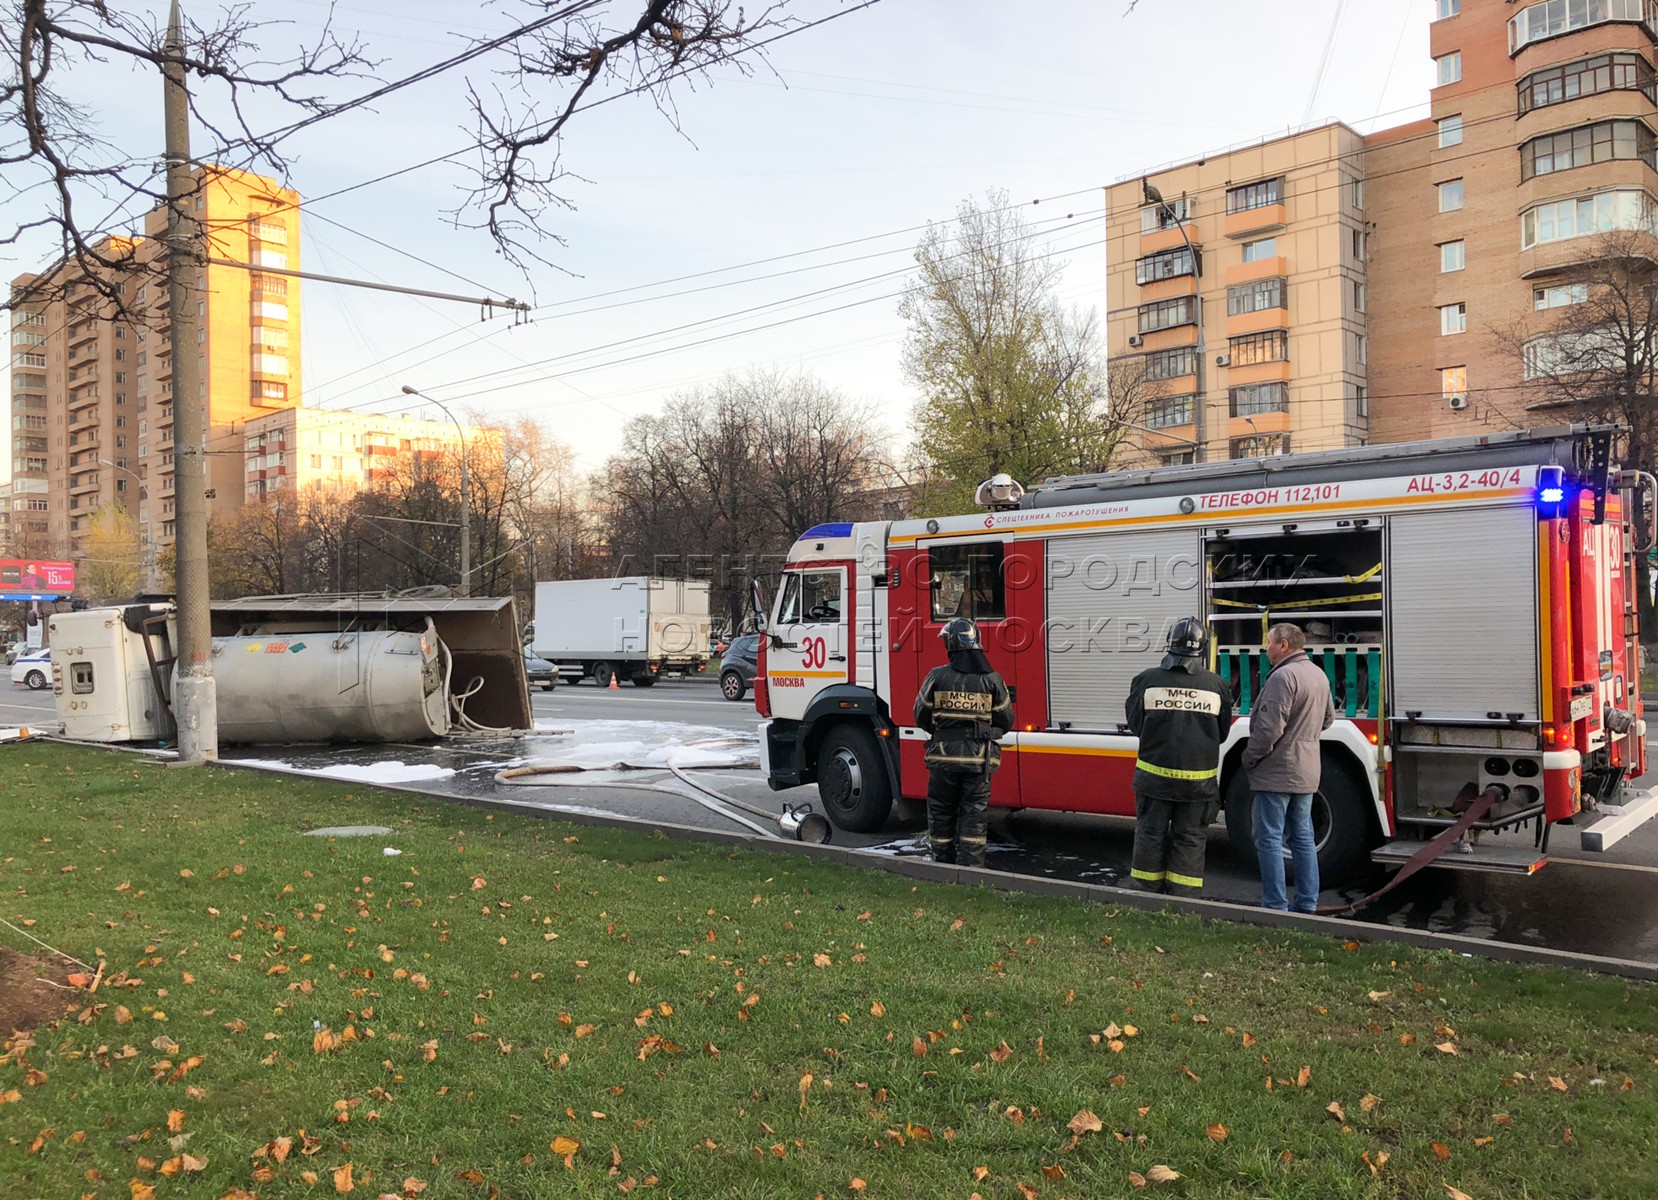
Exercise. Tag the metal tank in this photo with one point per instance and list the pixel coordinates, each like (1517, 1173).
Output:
(377, 686)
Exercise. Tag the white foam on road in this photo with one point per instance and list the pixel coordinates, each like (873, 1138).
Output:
(391, 771)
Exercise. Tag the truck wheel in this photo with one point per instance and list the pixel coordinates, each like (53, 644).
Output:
(1343, 830)
(644, 681)
(852, 779)
(602, 674)
(35, 680)
(732, 686)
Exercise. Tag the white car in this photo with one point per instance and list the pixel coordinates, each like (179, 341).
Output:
(33, 670)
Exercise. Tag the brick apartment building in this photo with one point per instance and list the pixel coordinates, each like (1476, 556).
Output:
(298, 448)
(1346, 288)
(92, 398)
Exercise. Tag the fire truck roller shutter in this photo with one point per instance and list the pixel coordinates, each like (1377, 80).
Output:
(1462, 600)
(1111, 598)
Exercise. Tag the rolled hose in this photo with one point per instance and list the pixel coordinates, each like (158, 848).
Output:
(712, 800)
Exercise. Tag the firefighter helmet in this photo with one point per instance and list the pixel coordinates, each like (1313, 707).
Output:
(960, 634)
(1188, 638)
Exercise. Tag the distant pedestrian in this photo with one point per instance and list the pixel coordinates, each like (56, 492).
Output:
(1180, 710)
(966, 708)
(1282, 762)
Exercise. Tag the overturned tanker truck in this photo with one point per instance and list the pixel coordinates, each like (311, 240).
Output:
(1472, 602)
(318, 668)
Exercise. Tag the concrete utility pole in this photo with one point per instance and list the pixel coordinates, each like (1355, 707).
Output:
(466, 491)
(195, 699)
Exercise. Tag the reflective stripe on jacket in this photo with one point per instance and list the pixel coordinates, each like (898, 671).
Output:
(1181, 718)
(964, 712)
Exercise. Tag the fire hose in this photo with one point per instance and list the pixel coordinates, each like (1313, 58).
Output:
(1476, 807)
(797, 821)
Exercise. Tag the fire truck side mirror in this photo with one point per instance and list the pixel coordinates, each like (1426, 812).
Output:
(1644, 509)
(757, 602)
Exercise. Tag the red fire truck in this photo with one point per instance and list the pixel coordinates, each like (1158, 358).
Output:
(1472, 602)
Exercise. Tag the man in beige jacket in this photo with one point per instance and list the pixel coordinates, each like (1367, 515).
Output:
(1282, 762)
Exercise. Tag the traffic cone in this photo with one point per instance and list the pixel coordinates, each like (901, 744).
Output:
(613, 686)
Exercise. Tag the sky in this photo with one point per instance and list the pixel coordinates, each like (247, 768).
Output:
(773, 222)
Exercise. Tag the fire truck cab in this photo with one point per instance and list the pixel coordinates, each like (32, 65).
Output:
(1472, 602)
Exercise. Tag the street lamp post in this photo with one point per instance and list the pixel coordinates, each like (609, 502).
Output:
(146, 555)
(1200, 405)
(466, 491)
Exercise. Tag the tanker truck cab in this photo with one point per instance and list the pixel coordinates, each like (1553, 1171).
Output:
(826, 714)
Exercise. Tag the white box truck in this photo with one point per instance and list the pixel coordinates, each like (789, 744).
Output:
(630, 627)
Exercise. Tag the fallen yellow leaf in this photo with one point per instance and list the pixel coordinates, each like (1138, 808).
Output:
(1162, 1174)
(1303, 1077)
(175, 1120)
(1216, 1132)
(565, 1148)
(1440, 1150)
(1083, 1122)
(1557, 1083)
(1335, 1110)
(1369, 1103)
(1137, 1179)
(1454, 1194)
(342, 1179)
(1451, 1049)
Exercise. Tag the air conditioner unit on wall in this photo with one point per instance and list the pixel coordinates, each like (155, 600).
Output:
(1135, 339)
(1459, 402)
(1223, 360)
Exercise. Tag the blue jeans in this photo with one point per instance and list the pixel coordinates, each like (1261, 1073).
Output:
(1271, 809)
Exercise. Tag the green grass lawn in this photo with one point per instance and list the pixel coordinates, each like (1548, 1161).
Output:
(520, 1005)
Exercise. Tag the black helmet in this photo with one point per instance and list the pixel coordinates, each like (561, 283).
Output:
(1188, 638)
(960, 634)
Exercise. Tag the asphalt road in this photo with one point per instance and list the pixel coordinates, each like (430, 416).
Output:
(1599, 904)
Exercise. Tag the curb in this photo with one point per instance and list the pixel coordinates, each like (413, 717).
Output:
(925, 869)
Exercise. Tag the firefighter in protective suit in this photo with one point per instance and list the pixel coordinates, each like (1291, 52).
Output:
(966, 707)
(1180, 711)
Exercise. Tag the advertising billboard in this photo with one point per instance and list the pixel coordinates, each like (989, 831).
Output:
(27, 579)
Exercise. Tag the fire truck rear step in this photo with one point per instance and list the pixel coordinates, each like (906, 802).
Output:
(1636, 810)
(1503, 860)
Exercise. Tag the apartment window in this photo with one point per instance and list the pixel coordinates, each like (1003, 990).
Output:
(1555, 17)
(270, 310)
(143, 427)
(272, 337)
(1453, 383)
(1167, 265)
(1586, 77)
(270, 364)
(120, 332)
(1453, 318)
(1260, 445)
(1450, 196)
(1166, 215)
(1255, 195)
(1177, 458)
(266, 390)
(1167, 412)
(1601, 212)
(1561, 295)
(270, 258)
(1358, 296)
(120, 441)
(268, 231)
(1450, 131)
(316, 462)
(1259, 398)
(1358, 193)
(1361, 245)
(1171, 364)
(1164, 314)
(1361, 349)
(1448, 8)
(1258, 250)
(120, 398)
(1270, 346)
(120, 377)
(1452, 256)
(143, 450)
(1361, 402)
(1570, 148)
(1449, 67)
(120, 422)
(120, 356)
(268, 285)
(1256, 296)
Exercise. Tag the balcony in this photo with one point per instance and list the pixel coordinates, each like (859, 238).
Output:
(1252, 222)
(83, 485)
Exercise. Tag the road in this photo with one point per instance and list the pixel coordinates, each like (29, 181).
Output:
(1597, 904)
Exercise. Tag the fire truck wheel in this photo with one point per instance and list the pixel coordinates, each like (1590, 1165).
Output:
(1342, 828)
(852, 780)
